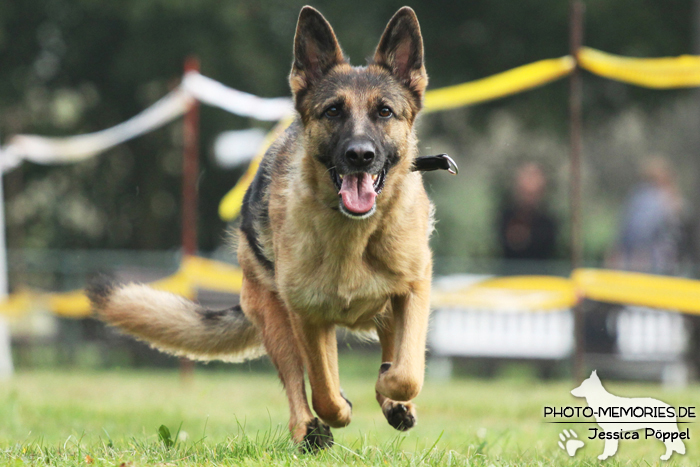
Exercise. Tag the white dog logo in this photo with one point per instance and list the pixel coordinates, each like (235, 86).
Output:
(616, 416)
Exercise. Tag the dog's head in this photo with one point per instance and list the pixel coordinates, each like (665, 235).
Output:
(358, 121)
(589, 386)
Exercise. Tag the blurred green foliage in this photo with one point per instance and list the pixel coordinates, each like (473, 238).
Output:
(77, 66)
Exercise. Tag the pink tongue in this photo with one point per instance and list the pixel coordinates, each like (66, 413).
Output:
(358, 193)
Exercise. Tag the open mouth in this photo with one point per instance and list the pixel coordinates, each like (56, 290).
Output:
(358, 192)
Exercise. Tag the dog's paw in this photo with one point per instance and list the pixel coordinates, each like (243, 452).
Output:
(569, 443)
(318, 436)
(400, 415)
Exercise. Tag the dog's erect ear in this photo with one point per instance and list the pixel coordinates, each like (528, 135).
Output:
(316, 50)
(401, 51)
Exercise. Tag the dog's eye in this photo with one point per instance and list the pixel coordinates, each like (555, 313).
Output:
(385, 112)
(332, 112)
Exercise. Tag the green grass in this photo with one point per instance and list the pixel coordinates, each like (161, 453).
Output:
(240, 418)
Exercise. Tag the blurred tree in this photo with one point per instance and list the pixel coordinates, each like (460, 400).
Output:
(76, 66)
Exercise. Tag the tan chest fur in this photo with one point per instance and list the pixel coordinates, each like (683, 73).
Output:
(344, 271)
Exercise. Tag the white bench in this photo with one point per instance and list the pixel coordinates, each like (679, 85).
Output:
(651, 335)
(650, 343)
(502, 334)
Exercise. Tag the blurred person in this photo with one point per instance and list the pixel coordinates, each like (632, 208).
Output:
(527, 231)
(651, 238)
(655, 236)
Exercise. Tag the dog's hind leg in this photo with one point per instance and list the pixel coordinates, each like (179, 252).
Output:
(400, 415)
(320, 349)
(267, 311)
(676, 445)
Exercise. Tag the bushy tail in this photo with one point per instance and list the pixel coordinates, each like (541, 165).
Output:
(174, 324)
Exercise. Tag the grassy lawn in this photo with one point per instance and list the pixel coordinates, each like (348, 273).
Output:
(240, 417)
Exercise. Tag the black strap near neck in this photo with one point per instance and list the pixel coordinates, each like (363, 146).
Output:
(438, 162)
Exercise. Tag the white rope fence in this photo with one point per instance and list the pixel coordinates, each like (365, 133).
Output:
(45, 150)
(194, 86)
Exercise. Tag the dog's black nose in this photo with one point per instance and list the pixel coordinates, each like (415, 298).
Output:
(360, 153)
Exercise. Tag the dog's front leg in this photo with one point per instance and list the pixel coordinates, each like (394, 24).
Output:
(321, 355)
(400, 414)
(270, 315)
(403, 380)
(609, 449)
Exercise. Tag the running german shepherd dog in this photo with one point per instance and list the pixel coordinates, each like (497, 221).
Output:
(334, 231)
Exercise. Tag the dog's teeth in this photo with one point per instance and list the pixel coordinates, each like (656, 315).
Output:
(374, 178)
(342, 176)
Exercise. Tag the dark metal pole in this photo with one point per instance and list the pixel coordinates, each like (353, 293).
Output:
(190, 173)
(190, 170)
(575, 42)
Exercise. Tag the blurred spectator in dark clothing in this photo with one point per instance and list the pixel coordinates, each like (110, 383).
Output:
(526, 228)
(651, 238)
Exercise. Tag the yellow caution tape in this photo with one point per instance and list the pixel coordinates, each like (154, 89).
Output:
(659, 73)
(631, 288)
(230, 205)
(194, 273)
(16, 304)
(75, 304)
(503, 84)
(500, 85)
(70, 304)
(525, 293)
(178, 283)
(522, 293)
(212, 275)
